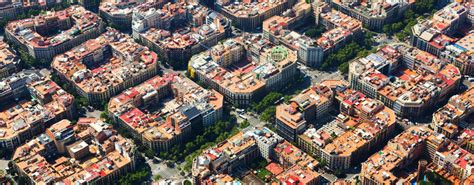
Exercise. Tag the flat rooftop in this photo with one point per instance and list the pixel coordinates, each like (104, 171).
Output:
(119, 8)
(19, 117)
(224, 64)
(93, 68)
(340, 19)
(176, 94)
(7, 57)
(29, 157)
(76, 18)
(380, 165)
(415, 85)
(249, 8)
(375, 9)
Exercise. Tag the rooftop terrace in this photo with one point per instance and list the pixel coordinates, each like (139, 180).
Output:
(100, 64)
(71, 23)
(111, 153)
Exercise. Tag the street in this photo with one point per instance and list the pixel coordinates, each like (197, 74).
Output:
(165, 172)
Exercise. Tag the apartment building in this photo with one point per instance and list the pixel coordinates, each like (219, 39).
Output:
(408, 80)
(452, 117)
(341, 29)
(400, 152)
(293, 164)
(466, 139)
(248, 15)
(244, 68)
(300, 175)
(453, 160)
(54, 32)
(331, 18)
(365, 124)
(308, 107)
(443, 156)
(299, 167)
(461, 54)
(470, 14)
(373, 14)
(266, 141)
(163, 111)
(153, 15)
(313, 140)
(8, 61)
(220, 179)
(89, 152)
(118, 13)
(311, 52)
(276, 30)
(288, 155)
(225, 157)
(101, 68)
(433, 35)
(32, 103)
(198, 28)
(10, 10)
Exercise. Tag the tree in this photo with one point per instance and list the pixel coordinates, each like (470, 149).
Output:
(396, 27)
(114, 26)
(82, 101)
(136, 177)
(26, 59)
(314, 32)
(103, 115)
(409, 14)
(268, 115)
(387, 29)
(268, 100)
(424, 6)
(339, 173)
(187, 182)
(344, 68)
(3, 23)
(323, 162)
(149, 153)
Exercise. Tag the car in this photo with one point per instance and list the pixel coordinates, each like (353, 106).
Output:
(240, 111)
(242, 116)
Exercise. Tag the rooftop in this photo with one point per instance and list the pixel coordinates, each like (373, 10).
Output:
(223, 152)
(119, 7)
(278, 26)
(440, 24)
(416, 85)
(298, 175)
(111, 153)
(380, 165)
(302, 166)
(373, 9)
(249, 8)
(7, 58)
(294, 155)
(92, 68)
(292, 114)
(457, 108)
(20, 116)
(340, 19)
(225, 63)
(179, 97)
(76, 18)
